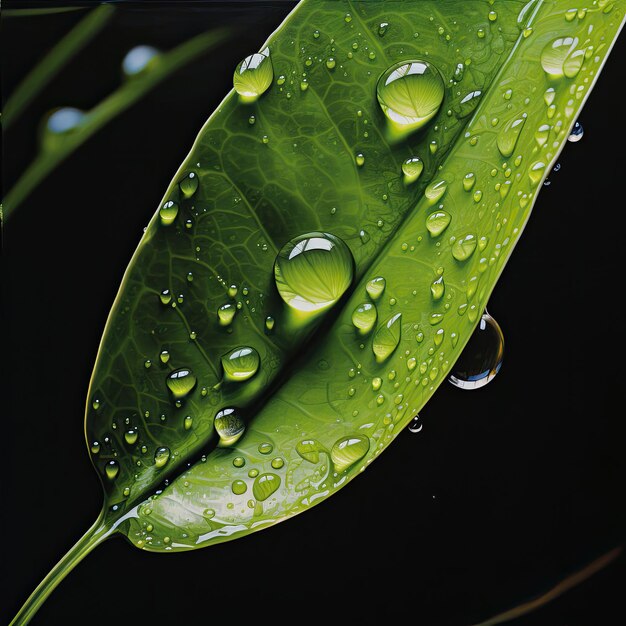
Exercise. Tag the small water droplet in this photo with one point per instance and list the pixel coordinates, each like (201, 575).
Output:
(313, 271)
(349, 450)
(165, 296)
(493, 16)
(168, 212)
(415, 426)
(535, 173)
(95, 447)
(412, 169)
(265, 448)
(229, 426)
(139, 59)
(189, 185)
(576, 134)
(254, 75)
(181, 382)
(131, 436)
(382, 28)
(410, 94)
(509, 134)
(164, 356)
(304, 84)
(239, 487)
(481, 358)
(161, 456)
(387, 337)
(277, 463)
(330, 63)
(226, 313)
(360, 159)
(375, 287)
(463, 247)
(264, 486)
(240, 364)
(188, 422)
(459, 70)
(61, 123)
(437, 288)
(468, 181)
(435, 191)
(437, 222)
(364, 317)
(112, 469)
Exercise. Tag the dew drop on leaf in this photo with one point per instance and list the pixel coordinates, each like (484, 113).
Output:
(410, 93)
(229, 426)
(181, 382)
(112, 469)
(168, 212)
(375, 287)
(509, 134)
(226, 313)
(412, 169)
(264, 486)
(349, 450)
(561, 57)
(576, 134)
(161, 456)
(364, 317)
(481, 358)
(387, 337)
(240, 364)
(254, 75)
(437, 222)
(463, 247)
(139, 59)
(313, 271)
(189, 184)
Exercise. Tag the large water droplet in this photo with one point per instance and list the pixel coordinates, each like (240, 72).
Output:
(576, 134)
(240, 364)
(180, 382)
(168, 212)
(131, 435)
(161, 456)
(412, 169)
(562, 58)
(139, 59)
(348, 451)
(364, 317)
(229, 426)
(375, 287)
(463, 247)
(226, 313)
(435, 190)
(313, 271)
(254, 75)
(189, 184)
(264, 486)
(437, 222)
(387, 337)
(481, 358)
(410, 94)
(509, 134)
(309, 450)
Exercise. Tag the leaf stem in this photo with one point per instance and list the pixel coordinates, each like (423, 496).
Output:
(54, 60)
(100, 531)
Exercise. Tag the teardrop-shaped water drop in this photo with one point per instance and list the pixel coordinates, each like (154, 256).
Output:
(481, 358)
(313, 271)
(561, 57)
(181, 382)
(412, 169)
(226, 313)
(435, 190)
(364, 317)
(349, 450)
(131, 436)
(229, 426)
(161, 456)
(375, 287)
(382, 28)
(265, 485)
(387, 337)
(240, 364)
(139, 60)
(189, 185)
(463, 247)
(509, 134)
(437, 222)
(309, 450)
(168, 212)
(410, 93)
(437, 288)
(59, 124)
(254, 75)
(576, 134)
(112, 469)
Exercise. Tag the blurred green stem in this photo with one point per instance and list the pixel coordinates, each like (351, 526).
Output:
(111, 106)
(54, 60)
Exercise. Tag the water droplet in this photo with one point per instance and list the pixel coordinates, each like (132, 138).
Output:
(364, 317)
(481, 358)
(330, 63)
(265, 448)
(254, 75)
(164, 356)
(437, 222)
(313, 271)
(309, 450)
(387, 337)
(412, 169)
(304, 84)
(264, 486)
(382, 28)
(229, 426)
(240, 364)
(168, 212)
(188, 422)
(61, 123)
(269, 323)
(435, 190)
(463, 247)
(570, 14)
(468, 181)
(139, 59)
(226, 313)
(147, 363)
(348, 18)
(112, 469)
(181, 382)
(165, 296)
(360, 159)
(161, 456)
(239, 461)
(376, 383)
(459, 70)
(493, 16)
(437, 288)
(576, 134)
(480, 33)
(415, 426)
(252, 120)
(375, 287)
(509, 134)
(131, 436)
(95, 447)
(562, 58)
(239, 487)
(277, 463)
(535, 173)
(348, 450)
(410, 94)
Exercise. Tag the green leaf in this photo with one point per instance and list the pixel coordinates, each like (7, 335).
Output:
(319, 156)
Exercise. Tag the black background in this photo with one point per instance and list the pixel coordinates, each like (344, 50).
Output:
(504, 492)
